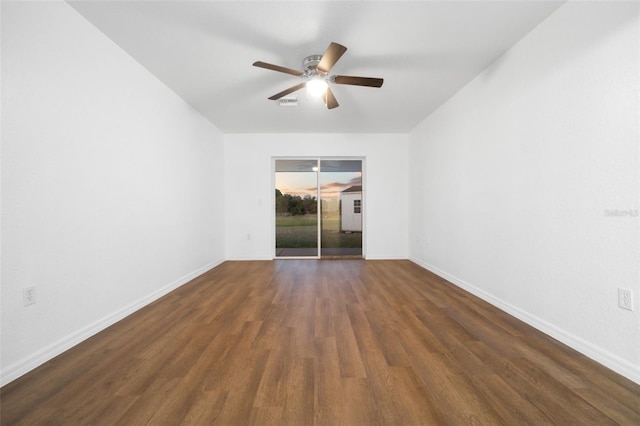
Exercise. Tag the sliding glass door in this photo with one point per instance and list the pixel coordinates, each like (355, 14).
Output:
(296, 208)
(318, 207)
(341, 208)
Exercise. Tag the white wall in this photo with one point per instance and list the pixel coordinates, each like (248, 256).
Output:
(111, 184)
(249, 188)
(512, 180)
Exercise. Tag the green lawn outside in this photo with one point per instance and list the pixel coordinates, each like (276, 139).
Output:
(297, 221)
(301, 232)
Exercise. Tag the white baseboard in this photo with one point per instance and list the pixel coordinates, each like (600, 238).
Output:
(598, 354)
(386, 257)
(49, 352)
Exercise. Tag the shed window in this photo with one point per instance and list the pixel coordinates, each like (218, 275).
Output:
(356, 206)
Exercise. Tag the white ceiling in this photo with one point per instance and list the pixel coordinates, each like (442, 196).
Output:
(425, 50)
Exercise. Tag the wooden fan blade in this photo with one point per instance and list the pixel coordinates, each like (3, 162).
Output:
(278, 68)
(330, 100)
(287, 91)
(357, 81)
(330, 57)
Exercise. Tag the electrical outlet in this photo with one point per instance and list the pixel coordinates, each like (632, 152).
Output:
(29, 295)
(625, 299)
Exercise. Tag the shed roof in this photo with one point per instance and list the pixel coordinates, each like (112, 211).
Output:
(355, 188)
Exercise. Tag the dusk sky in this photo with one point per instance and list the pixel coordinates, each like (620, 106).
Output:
(304, 183)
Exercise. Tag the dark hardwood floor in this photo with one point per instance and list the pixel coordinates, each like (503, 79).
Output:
(334, 342)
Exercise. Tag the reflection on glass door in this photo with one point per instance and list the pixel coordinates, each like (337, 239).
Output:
(341, 207)
(318, 208)
(296, 208)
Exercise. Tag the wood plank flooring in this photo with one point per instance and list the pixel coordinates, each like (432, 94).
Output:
(326, 342)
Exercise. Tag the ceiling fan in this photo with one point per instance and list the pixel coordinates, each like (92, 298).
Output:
(315, 74)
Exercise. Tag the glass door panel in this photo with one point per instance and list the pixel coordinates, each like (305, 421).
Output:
(296, 204)
(341, 207)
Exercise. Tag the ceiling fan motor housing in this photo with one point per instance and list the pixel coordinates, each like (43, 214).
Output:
(310, 65)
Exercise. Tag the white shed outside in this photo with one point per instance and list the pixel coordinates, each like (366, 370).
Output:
(351, 209)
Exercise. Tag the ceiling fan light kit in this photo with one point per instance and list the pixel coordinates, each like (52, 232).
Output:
(315, 73)
(317, 86)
